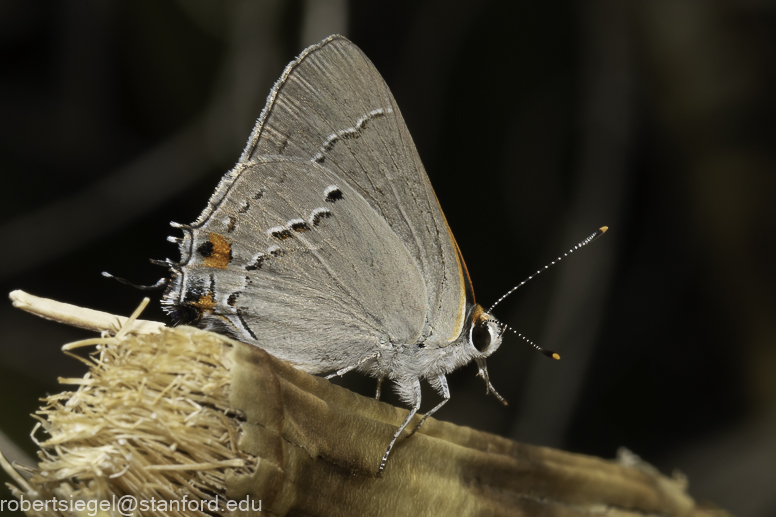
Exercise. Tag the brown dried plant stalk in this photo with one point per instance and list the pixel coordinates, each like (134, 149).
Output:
(182, 413)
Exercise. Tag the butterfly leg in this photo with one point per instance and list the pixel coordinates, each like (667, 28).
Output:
(415, 390)
(343, 371)
(379, 386)
(440, 385)
(489, 387)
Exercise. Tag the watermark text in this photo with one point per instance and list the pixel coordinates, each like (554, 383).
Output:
(128, 505)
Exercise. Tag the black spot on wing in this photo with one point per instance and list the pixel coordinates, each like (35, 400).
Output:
(299, 226)
(206, 249)
(281, 234)
(257, 262)
(332, 194)
(350, 133)
(329, 145)
(183, 314)
(318, 215)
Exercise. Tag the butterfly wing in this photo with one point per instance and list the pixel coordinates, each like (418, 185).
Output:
(332, 106)
(328, 230)
(274, 264)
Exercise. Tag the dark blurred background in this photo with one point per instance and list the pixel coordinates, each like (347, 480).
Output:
(537, 123)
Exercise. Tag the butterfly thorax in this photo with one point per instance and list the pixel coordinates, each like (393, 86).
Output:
(480, 337)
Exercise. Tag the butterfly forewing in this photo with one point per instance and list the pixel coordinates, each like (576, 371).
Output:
(332, 107)
(327, 231)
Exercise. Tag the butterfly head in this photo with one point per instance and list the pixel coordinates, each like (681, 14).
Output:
(485, 332)
(485, 335)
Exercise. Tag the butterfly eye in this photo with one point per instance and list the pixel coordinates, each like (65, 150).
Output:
(480, 336)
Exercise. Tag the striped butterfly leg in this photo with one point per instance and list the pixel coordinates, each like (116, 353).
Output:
(414, 389)
(439, 383)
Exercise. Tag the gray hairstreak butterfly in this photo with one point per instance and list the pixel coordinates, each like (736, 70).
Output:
(326, 245)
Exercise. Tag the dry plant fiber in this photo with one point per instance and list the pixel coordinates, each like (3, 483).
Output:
(150, 419)
(196, 422)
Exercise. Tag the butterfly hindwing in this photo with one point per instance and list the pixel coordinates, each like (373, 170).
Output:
(279, 270)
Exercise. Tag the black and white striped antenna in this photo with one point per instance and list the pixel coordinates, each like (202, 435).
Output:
(549, 353)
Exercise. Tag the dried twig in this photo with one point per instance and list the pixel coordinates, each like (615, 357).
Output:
(175, 413)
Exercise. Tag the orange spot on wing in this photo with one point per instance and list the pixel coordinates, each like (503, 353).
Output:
(205, 302)
(222, 252)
